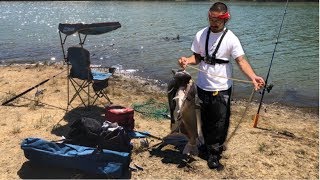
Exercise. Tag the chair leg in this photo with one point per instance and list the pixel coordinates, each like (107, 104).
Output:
(81, 91)
(106, 96)
(79, 88)
(100, 94)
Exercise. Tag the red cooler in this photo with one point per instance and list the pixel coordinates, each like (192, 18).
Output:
(121, 115)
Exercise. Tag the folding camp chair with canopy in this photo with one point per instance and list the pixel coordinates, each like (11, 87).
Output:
(81, 75)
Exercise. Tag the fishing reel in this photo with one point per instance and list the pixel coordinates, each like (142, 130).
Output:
(268, 87)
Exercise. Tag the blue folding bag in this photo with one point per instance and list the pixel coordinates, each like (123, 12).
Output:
(110, 163)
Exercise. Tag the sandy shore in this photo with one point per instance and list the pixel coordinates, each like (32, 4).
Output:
(284, 146)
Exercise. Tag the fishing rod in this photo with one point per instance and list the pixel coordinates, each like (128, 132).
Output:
(37, 102)
(30, 89)
(266, 86)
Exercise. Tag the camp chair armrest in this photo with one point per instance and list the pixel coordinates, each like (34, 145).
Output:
(103, 69)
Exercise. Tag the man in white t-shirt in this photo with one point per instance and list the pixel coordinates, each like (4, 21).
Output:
(213, 47)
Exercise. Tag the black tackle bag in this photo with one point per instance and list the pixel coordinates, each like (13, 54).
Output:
(92, 133)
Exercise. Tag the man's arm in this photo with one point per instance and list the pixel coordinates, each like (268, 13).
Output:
(246, 68)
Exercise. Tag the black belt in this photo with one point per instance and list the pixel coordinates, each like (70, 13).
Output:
(214, 93)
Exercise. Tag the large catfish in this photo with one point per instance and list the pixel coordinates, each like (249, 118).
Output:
(185, 110)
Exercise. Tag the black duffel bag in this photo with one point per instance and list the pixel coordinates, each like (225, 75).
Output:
(92, 133)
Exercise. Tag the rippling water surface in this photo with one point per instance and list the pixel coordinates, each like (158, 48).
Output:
(28, 32)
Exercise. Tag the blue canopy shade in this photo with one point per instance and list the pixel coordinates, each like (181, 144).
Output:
(89, 29)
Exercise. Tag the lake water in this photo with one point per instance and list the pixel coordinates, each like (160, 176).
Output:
(29, 32)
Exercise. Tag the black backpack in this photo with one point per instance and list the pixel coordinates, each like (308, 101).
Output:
(92, 133)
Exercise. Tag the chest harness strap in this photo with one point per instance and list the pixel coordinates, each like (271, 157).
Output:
(212, 59)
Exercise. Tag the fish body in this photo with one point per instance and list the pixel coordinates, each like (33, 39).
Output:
(184, 110)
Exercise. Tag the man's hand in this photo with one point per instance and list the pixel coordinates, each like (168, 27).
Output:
(183, 62)
(258, 82)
